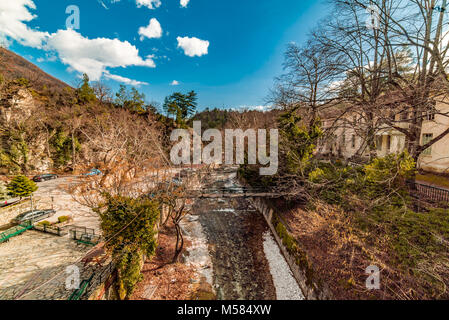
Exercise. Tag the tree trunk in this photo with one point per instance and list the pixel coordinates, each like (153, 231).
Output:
(73, 151)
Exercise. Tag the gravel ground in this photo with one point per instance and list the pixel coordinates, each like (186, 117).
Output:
(286, 286)
(34, 257)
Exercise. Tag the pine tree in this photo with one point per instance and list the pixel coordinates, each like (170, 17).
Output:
(86, 93)
(21, 187)
(181, 105)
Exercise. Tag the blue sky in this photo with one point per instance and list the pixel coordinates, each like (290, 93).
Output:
(227, 51)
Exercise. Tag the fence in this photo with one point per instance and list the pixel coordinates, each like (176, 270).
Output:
(51, 229)
(430, 192)
(84, 235)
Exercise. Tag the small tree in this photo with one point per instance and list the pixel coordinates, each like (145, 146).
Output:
(85, 92)
(21, 187)
(132, 100)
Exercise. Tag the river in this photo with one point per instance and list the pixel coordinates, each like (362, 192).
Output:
(233, 247)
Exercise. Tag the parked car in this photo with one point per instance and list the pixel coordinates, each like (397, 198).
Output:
(93, 172)
(34, 215)
(44, 177)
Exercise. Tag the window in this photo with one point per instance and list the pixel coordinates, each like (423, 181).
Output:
(388, 143)
(426, 138)
(353, 141)
(430, 115)
(379, 143)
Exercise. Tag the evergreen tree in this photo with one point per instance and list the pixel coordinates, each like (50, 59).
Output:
(181, 105)
(137, 102)
(121, 96)
(133, 101)
(298, 140)
(85, 92)
(21, 187)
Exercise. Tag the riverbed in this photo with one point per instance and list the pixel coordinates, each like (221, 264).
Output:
(233, 248)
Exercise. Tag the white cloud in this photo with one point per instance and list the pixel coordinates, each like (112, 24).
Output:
(48, 57)
(153, 30)
(81, 54)
(93, 56)
(174, 83)
(150, 4)
(184, 3)
(128, 81)
(193, 46)
(13, 15)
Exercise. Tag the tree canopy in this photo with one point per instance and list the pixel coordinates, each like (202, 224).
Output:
(85, 92)
(181, 106)
(131, 100)
(21, 186)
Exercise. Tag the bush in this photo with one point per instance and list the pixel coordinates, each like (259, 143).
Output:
(63, 219)
(390, 170)
(130, 224)
(44, 223)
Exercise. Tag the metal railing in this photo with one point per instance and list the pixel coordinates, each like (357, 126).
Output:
(51, 229)
(429, 192)
(84, 235)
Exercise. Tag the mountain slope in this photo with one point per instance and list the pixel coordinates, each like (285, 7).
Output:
(13, 66)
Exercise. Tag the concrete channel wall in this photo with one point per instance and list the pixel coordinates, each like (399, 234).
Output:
(312, 289)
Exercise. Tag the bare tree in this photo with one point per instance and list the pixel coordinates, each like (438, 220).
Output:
(103, 92)
(310, 72)
(396, 69)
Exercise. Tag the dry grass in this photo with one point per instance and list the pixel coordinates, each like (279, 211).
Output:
(340, 252)
(433, 179)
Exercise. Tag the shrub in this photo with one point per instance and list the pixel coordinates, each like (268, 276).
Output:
(63, 219)
(130, 224)
(391, 169)
(44, 223)
(316, 175)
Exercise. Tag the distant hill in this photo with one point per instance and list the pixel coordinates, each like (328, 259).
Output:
(13, 66)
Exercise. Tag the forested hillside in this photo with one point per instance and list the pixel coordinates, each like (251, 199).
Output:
(47, 125)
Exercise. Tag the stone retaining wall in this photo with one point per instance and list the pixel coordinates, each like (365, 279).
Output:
(312, 289)
(9, 213)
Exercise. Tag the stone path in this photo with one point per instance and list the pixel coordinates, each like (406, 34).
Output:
(29, 260)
